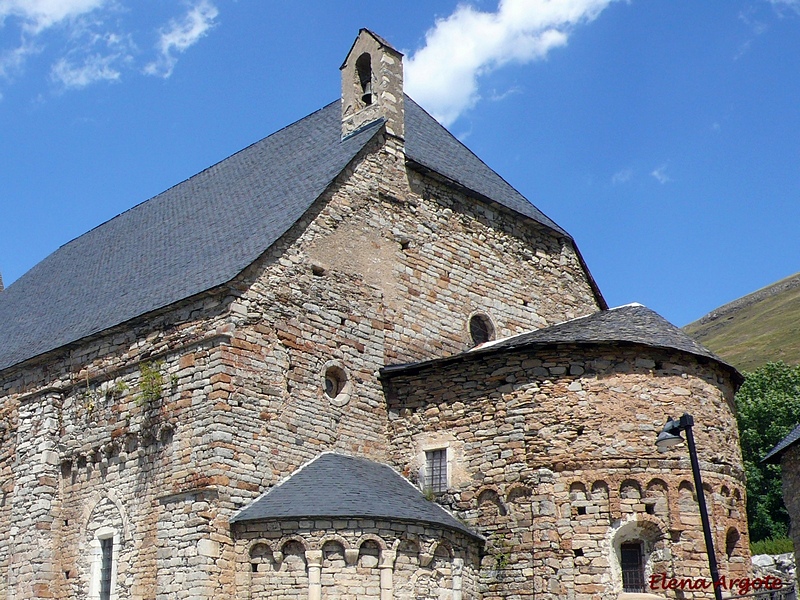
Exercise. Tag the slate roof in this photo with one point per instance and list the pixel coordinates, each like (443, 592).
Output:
(206, 230)
(337, 486)
(632, 323)
(430, 145)
(192, 237)
(774, 455)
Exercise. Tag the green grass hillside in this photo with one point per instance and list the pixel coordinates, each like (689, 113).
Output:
(758, 328)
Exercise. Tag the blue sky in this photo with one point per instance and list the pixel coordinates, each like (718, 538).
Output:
(664, 135)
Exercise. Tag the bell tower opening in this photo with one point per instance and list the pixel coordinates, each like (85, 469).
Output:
(364, 71)
(372, 86)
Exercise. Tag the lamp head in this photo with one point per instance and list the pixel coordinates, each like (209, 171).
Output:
(669, 436)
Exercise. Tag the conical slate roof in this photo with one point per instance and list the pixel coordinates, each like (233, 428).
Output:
(629, 324)
(337, 486)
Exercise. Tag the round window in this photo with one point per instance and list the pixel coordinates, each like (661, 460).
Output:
(480, 329)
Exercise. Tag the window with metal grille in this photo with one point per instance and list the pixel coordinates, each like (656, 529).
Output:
(436, 470)
(480, 329)
(107, 555)
(632, 567)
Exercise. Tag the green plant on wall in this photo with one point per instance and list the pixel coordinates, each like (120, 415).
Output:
(116, 390)
(89, 396)
(500, 561)
(151, 382)
(501, 555)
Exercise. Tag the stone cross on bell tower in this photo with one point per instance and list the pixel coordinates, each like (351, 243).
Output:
(372, 85)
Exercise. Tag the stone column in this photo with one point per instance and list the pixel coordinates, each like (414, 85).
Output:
(314, 562)
(458, 578)
(33, 565)
(387, 573)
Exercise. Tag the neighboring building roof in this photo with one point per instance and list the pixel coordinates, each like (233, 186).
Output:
(774, 455)
(632, 323)
(337, 486)
(206, 230)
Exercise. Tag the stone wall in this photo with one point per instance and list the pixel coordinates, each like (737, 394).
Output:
(353, 558)
(790, 478)
(159, 428)
(553, 459)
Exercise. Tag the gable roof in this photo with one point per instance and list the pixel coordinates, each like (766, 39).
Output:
(193, 237)
(204, 231)
(774, 455)
(629, 324)
(432, 147)
(338, 486)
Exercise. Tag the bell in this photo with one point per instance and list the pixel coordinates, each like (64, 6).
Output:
(366, 97)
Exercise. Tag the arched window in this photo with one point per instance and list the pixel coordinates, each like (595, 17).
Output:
(636, 552)
(731, 540)
(335, 381)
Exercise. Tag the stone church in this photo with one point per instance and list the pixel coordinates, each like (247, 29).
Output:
(350, 361)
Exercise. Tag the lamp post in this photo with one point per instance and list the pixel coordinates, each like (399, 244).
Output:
(670, 436)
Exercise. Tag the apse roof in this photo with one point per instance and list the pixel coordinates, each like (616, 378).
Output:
(338, 486)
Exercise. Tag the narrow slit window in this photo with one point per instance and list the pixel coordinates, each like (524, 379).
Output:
(436, 470)
(106, 558)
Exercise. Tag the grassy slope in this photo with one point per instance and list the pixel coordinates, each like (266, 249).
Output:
(760, 327)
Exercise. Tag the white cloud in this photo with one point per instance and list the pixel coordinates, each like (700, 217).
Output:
(443, 75)
(792, 4)
(38, 15)
(34, 17)
(660, 175)
(88, 41)
(12, 61)
(94, 68)
(496, 96)
(180, 36)
(95, 56)
(623, 176)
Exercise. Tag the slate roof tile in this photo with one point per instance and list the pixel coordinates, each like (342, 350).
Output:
(204, 231)
(193, 237)
(338, 486)
(633, 323)
(774, 455)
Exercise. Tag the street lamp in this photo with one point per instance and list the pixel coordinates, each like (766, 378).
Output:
(669, 437)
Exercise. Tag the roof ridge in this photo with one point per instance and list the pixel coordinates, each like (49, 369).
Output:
(203, 171)
(548, 221)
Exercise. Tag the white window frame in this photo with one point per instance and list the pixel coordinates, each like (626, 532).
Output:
(96, 562)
